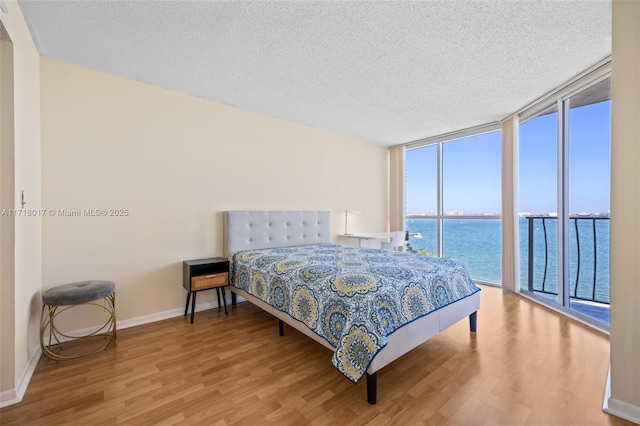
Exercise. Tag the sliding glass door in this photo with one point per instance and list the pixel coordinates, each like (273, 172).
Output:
(539, 203)
(564, 202)
(589, 165)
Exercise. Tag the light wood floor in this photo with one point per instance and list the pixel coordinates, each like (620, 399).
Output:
(525, 366)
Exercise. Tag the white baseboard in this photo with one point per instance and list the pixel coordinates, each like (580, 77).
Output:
(146, 319)
(14, 396)
(8, 398)
(159, 316)
(619, 408)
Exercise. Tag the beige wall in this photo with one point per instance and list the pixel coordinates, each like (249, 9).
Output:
(7, 222)
(625, 206)
(176, 162)
(27, 284)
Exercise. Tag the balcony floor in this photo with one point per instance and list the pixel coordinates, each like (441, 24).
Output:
(600, 312)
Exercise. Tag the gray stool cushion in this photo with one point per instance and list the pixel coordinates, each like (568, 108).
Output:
(79, 292)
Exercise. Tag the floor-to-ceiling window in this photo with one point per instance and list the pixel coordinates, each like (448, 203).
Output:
(564, 201)
(422, 199)
(539, 203)
(453, 202)
(453, 197)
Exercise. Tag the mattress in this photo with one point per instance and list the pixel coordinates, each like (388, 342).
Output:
(353, 298)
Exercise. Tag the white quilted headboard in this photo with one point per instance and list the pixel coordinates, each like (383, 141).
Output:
(253, 229)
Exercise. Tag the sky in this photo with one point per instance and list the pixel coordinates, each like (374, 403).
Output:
(472, 168)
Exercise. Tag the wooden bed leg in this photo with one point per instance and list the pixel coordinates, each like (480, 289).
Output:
(372, 388)
(281, 327)
(473, 321)
(234, 299)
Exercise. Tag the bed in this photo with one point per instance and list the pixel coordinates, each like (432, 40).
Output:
(369, 306)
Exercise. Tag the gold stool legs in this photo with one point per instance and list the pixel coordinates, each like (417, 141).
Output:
(47, 322)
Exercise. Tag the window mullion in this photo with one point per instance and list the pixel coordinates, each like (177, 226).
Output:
(563, 202)
(440, 214)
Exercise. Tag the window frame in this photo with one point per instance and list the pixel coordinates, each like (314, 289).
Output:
(561, 98)
(440, 215)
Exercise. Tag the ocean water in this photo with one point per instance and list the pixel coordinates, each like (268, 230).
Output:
(478, 243)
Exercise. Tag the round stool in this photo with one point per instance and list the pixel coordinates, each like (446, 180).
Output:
(68, 296)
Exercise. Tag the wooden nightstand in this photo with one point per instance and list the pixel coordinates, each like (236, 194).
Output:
(205, 274)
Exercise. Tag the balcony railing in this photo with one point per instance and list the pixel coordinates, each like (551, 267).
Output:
(580, 262)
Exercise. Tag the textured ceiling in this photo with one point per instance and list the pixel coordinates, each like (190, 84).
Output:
(388, 72)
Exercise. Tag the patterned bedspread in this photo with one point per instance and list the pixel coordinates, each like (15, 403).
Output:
(352, 297)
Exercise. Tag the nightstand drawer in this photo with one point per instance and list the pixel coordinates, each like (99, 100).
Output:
(205, 274)
(209, 281)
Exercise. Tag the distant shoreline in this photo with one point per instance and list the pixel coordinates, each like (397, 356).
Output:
(460, 215)
(478, 244)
